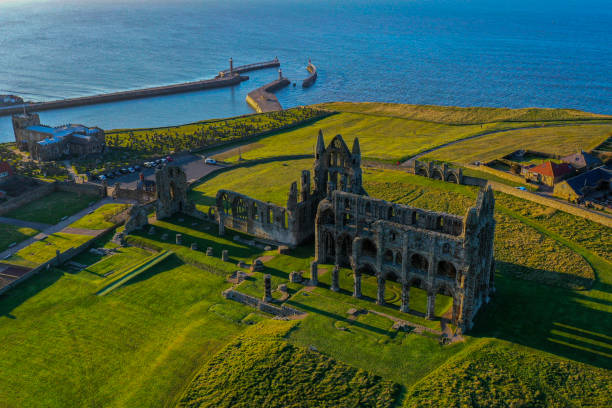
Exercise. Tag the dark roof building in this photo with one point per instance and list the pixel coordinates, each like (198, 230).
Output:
(582, 160)
(580, 185)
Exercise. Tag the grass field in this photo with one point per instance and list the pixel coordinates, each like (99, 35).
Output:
(101, 218)
(460, 115)
(40, 252)
(556, 140)
(11, 233)
(52, 208)
(279, 374)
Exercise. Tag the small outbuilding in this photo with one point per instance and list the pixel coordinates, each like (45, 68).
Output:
(549, 173)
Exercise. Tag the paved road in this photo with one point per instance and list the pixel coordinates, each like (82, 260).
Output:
(192, 164)
(59, 226)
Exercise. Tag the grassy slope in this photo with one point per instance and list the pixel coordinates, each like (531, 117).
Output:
(52, 208)
(460, 115)
(11, 233)
(259, 369)
(100, 219)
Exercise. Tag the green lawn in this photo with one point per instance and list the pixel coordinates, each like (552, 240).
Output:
(11, 233)
(101, 218)
(52, 208)
(41, 251)
(461, 115)
(279, 374)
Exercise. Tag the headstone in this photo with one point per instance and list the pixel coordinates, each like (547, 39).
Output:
(267, 288)
(225, 255)
(194, 246)
(283, 250)
(164, 237)
(179, 239)
(209, 251)
(151, 230)
(241, 264)
(282, 287)
(257, 266)
(295, 277)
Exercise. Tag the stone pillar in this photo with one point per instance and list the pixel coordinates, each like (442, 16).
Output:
(357, 285)
(179, 239)
(314, 273)
(380, 296)
(231, 61)
(456, 310)
(225, 255)
(405, 307)
(335, 286)
(221, 225)
(431, 303)
(267, 297)
(58, 257)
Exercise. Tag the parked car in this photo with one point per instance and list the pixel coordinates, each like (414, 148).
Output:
(110, 175)
(131, 169)
(521, 188)
(101, 177)
(210, 161)
(169, 158)
(124, 170)
(136, 167)
(164, 160)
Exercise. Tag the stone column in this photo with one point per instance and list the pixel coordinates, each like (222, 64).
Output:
(380, 296)
(179, 239)
(267, 297)
(58, 257)
(456, 310)
(314, 273)
(334, 279)
(357, 285)
(431, 303)
(405, 307)
(225, 255)
(221, 225)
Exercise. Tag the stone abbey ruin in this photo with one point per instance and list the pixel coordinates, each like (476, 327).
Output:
(437, 252)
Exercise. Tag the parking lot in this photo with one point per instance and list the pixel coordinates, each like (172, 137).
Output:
(194, 167)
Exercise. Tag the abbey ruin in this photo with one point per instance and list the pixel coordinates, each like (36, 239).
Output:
(437, 252)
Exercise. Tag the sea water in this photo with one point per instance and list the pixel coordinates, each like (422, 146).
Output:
(517, 53)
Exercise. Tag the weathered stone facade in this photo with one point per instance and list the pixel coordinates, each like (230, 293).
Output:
(335, 167)
(436, 252)
(47, 143)
(172, 187)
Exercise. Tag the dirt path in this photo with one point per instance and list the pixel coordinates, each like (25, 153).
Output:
(27, 224)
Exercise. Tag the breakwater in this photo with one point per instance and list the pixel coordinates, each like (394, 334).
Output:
(218, 82)
(312, 77)
(263, 100)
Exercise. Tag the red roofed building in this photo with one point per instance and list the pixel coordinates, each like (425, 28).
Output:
(549, 173)
(5, 170)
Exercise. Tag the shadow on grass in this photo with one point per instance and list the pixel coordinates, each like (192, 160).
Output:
(16, 296)
(553, 319)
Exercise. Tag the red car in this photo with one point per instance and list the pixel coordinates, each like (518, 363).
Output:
(169, 158)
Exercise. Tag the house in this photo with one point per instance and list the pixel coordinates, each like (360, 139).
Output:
(576, 188)
(5, 171)
(582, 161)
(549, 173)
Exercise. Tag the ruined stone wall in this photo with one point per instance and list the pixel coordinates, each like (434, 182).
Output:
(436, 171)
(282, 311)
(437, 252)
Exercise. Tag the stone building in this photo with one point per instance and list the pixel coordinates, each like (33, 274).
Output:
(335, 167)
(46, 143)
(437, 252)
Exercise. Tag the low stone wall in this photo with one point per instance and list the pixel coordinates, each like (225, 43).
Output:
(26, 198)
(498, 173)
(56, 261)
(85, 188)
(282, 311)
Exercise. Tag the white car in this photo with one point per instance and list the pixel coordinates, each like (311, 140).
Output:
(210, 161)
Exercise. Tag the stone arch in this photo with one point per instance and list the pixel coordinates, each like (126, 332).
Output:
(329, 244)
(327, 217)
(240, 209)
(345, 248)
(452, 178)
(422, 171)
(368, 209)
(368, 248)
(388, 256)
(366, 269)
(254, 211)
(446, 269)
(437, 174)
(419, 263)
(398, 257)
(392, 276)
(224, 204)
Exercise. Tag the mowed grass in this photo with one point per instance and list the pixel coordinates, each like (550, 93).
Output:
(101, 218)
(461, 115)
(381, 138)
(12, 234)
(555, 140)
(259, 369)
(44, 250)
(51, 208)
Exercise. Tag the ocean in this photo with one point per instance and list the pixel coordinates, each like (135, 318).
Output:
(446, 52)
